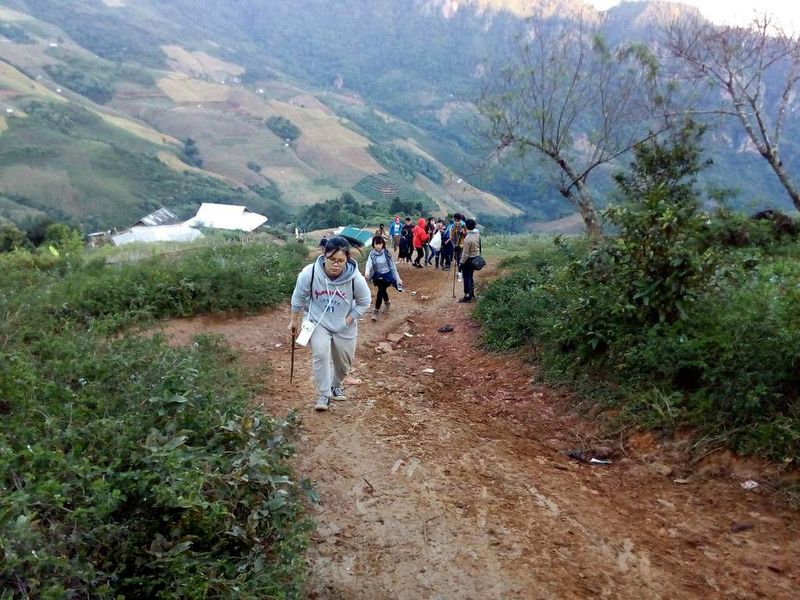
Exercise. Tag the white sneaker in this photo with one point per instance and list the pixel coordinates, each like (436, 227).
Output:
(460, 277)
(337, 393)
(323, 403)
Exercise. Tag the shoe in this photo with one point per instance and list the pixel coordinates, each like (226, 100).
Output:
(386, 305)
(337, 393)
(323, 403)
(460, 277)
(374, 316)
(465, 299)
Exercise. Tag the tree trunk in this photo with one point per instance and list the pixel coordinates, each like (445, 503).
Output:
(787, 182)
(586, 208)
(583, 200)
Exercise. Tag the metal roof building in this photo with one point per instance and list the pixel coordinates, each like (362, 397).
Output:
(162, 216)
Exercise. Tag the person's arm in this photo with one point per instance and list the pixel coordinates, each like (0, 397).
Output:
(368, 267)
(393, 266)
(300, 296)
(468, 243)
(363, 297)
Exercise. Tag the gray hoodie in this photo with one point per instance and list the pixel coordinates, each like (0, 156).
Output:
(348, 294)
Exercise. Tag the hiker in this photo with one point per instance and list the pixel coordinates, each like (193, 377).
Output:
(436, 243)
(381, 231)
(420, 235)
(394, 232)
(458, 233)
(382, 271)
(332, 294)
(447, 247)
(471, 249)
(406, 246)
(430, 228)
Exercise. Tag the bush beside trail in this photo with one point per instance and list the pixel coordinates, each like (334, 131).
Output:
(131, 469)
(680, 318)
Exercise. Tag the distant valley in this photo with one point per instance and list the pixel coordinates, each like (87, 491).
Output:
(109, 110)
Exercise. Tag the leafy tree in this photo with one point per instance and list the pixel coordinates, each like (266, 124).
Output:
(191, 153)
(755, 68)
(658, 263)
(574, 102)
(11, 237)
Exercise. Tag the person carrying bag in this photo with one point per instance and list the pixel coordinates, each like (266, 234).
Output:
(471, 259)
(333, 294)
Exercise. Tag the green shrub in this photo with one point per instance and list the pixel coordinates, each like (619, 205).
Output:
(681, 325)
(132, 469)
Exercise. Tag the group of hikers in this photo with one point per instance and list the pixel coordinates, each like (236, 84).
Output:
(331, 294)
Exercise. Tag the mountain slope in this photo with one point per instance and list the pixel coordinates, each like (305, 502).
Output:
(138, 113)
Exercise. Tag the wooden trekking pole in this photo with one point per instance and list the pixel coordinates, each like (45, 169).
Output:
(291, 366)
(454, 279)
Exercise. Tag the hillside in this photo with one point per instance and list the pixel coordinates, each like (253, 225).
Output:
(89, 139)
(286, 104)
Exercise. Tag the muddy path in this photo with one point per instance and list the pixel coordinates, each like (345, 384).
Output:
(456, 484)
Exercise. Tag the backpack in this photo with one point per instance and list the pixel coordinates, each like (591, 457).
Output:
(436, 242)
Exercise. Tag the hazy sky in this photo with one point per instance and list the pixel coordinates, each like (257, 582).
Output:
(736, 12)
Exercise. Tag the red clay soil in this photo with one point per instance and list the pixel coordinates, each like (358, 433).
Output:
(457, 483)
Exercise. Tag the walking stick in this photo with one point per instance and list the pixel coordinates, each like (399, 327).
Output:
(291, 367)
(454, 280)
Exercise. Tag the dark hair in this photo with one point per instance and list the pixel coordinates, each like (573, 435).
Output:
(440, 221)
(457, 216)
(471, 224)
(335, 244)
(408, 218)
(376, 239)
(381, 225)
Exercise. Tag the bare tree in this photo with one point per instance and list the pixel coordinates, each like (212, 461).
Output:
(570, 99)
(756, 68)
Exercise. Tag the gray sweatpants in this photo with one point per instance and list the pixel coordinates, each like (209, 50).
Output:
(331, 358)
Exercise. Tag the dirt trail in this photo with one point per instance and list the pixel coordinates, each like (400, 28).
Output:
(456, 485)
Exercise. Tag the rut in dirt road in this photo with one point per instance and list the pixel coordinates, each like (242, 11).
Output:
(456, 483)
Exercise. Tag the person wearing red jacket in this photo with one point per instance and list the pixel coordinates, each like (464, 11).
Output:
(420, 233)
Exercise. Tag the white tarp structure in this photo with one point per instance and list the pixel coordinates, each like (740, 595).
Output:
(157, 233)
(226, 216)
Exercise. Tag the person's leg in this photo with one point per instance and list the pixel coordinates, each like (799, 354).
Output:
(419, 257)
(457, 256)
(343, 350)
(321, 360)
(436, 255)
(383, 289)
(381, 296)
(468, 272)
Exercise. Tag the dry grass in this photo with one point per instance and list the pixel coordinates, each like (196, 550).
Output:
(16, 81)
(140, 130)
(184, 89)
(6, 14)
(199, 62)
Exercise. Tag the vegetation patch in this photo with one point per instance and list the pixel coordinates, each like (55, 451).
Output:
(132, 469)
(405, 163)
(688, 318)
(283, 128)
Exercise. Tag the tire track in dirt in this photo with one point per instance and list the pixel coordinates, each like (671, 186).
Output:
(455, 484)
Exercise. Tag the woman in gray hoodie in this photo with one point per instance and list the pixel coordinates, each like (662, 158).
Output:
(332, 294)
